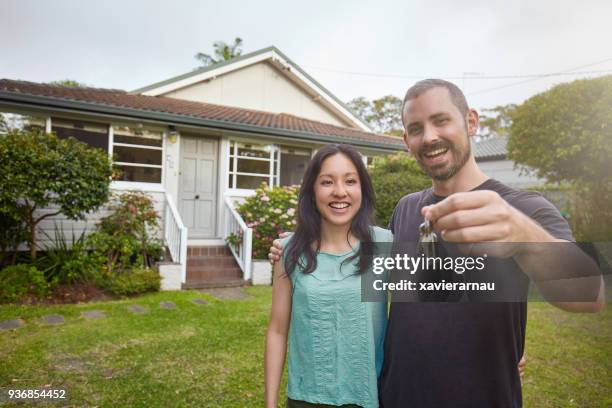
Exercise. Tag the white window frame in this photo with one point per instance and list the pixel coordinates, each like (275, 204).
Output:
(273, 179)
(140, 185)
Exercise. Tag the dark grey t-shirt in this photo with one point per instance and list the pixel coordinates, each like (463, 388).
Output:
(458, 354)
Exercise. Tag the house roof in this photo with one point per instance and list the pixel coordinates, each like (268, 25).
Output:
(177, 112)
(493, 148)
(272, 54)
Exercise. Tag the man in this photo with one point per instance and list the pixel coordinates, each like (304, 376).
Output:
(465, 354)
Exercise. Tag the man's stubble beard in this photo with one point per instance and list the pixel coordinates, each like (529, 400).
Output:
(459, 157)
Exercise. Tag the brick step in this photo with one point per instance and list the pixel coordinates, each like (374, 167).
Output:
(213, 262)
(197, 251)
(203, 275)
(220, 283)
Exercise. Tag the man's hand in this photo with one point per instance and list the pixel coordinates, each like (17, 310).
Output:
(483, 216)
(276, 250)
(521, 367)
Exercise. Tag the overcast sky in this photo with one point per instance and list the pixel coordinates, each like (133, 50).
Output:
(353, 48)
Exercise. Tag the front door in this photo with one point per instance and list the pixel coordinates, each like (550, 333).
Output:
(198, 185)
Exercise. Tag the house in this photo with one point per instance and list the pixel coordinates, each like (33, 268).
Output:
(492, 158)
(197, 143)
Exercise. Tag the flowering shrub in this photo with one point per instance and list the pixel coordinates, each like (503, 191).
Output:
(268, 212)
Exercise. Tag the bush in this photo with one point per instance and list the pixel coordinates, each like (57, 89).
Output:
(12, 233)
(127, 237)
(132, 282)
(269, 212)
(393, 177)
(20, 280)
(69, 262)
(39, 170)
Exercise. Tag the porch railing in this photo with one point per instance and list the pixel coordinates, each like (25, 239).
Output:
(243, 238)
(175, 236)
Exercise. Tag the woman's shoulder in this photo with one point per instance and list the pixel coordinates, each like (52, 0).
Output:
(381, 234)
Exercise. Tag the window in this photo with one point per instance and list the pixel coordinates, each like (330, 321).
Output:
(252, 164)
(92, 134)
(292, 165)
(9, 121)
(137, 152)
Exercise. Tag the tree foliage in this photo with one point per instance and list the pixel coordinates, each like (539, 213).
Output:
(393, 177)
(384, 114)
(222, 52)
(565, 133)
(495, 122)
(69, 82)
(40, 171)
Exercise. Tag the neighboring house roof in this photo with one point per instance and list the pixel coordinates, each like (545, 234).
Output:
(177, 112)
(274, 56)
(493, 148)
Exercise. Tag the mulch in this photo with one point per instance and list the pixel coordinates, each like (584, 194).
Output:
(67, 294)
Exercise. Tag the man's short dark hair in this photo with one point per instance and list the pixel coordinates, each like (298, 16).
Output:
(425, 85)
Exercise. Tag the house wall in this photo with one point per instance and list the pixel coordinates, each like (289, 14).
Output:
(504, 171)
(262, 87)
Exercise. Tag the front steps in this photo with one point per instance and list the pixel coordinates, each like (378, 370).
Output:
(212, 267)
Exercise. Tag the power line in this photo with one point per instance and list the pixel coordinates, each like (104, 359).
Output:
(470, 77)
(564, 72)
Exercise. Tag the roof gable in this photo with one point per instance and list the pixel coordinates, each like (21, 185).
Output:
(276, 58)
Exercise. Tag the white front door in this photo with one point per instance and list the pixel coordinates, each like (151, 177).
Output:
(198, 185)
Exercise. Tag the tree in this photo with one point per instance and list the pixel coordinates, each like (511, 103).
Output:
(222, 52)
(384, 114)
(495, 122)
(394, 176)
(69, 82)
(565, 133)
(40, 171)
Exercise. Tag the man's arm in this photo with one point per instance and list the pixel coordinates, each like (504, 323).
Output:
(484, 217)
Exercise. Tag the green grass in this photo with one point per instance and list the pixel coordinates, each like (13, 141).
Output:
(212, 355)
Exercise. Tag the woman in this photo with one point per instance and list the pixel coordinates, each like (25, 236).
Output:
(335, 340)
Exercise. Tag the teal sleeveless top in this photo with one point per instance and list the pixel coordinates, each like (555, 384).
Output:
(335, 345)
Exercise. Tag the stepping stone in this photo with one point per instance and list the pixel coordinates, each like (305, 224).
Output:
(93, 314)
(53, 319)
(199, 301)
(167, 305)
(11, 324)
(137, 309)
(227, 293)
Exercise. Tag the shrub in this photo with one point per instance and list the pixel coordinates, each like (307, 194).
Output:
(12, 233)
(39, 170)
(69, 262)
(268, 212)
(20, 280)
(131, 282)
(127, 237)
(393, 177)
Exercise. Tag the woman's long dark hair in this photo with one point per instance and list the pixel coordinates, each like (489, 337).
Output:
(299, 251)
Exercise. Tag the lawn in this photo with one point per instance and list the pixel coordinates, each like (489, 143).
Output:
(212, 355)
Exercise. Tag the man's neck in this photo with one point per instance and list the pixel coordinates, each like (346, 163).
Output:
(467, 178)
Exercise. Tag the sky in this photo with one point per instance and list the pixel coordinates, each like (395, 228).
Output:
(353, 48)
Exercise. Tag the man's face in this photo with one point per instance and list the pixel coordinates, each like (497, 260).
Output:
(436, 133)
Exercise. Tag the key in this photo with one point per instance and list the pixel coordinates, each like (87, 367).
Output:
(427, 239)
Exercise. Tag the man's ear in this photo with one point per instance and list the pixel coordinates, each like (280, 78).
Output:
(472, 122)
(405, 137)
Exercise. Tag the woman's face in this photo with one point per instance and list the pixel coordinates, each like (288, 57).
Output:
(338, 190)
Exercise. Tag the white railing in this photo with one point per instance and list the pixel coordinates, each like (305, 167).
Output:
(175, 236)
(234, 224)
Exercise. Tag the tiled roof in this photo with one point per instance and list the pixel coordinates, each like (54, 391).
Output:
(490, 149)
(182, 108)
